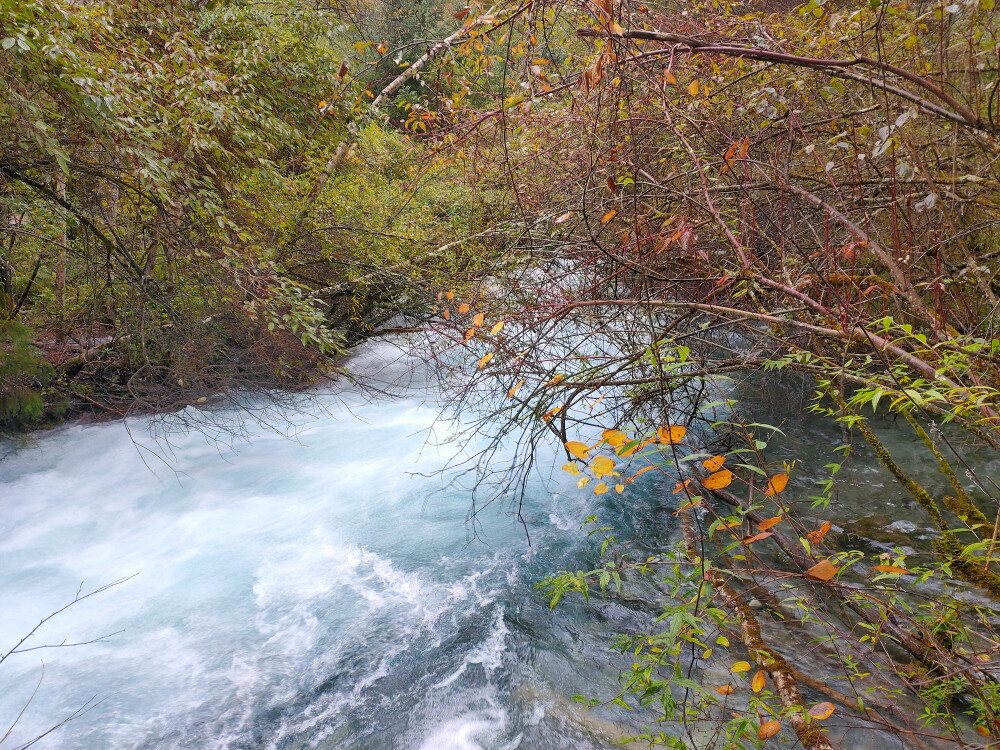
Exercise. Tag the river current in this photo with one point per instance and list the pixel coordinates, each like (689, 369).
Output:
(317, 585)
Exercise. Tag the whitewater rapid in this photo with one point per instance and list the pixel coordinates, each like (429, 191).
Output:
(317, 585)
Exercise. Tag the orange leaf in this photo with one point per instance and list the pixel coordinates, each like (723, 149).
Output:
(693, 87)
(725, 690)
(463, 308)
(890, 569)
(478, 320)
(822, 711)
(824, 570)
(677, 487)
(577, 449)
(768, 729)
(497, 328)
(817, 536)
(777, 484)
(446, 315)
(449, 295)
(758, 681)
(669, 77)
(608, 216)
(515, 389)
(758, 537)
(470, 333)
(718, 480)
(768, 523)
(462, 14)
(602, 465)
(672, 434)
(714, 463)
(485, 360)
(614, 438)
(687, 506)
(600, 489)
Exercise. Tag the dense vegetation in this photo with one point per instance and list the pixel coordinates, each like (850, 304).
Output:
(602, 213)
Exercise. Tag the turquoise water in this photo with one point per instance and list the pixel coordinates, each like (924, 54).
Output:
(316, 586)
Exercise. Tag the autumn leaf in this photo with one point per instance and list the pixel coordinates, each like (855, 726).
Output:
(602, 465)
(463, 308)
(563, 218)
(608, 216)
(693, 88)
(768, 729)
(571, 469)
(714, 463)
(768, 523)
(758, 537)
(817, 536)
(680, 485)
(725, 690)
(449, 295)
(718, 480)
(496, 328)
(777, 484)
(555, 380)
(822, 711)
(600, 489)
(640, 473)
(671, 433)
(485, 360)
(614, 438)
(740, 667)
(478, 319)
(446, 315)
(515, 388)
(550, 413)
(891, 569)
(688, 506)
(577, 449)
(584, 481)
(470, 333)
(619, 488)
(343, 71)
(669, 78)
(759, 680)
(462, 13)
(824, 570)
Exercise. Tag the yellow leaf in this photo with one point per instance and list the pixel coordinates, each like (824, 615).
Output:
(681, 486)
(768, 729)
(722, 641)
(983, 731)
(891, 569)
(822, 711)
(584, 481)
(740, 667)
(608, 216)
(600, 489)
(572, 469)
(718, 480)
(693, 87)
(485, 360)
(449, 295)
(619, 488)
(577, 449)
(714, 463)
(497, 328)
(824, 570)
(478, 320)
(470, 333)
(758, 681)
(669, 77)
(614, 438)
(671, 434)
(725, 689)
(555, 380)
(768, 523)
(602, 465)
(463, 308)
(777, 484)
(515, 388)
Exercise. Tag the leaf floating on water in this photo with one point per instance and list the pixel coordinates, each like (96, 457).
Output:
(497, 328)
(714, 463)
(768, 523)
(891, 569)
(515, 388)
(485, 360)
(479, 319)
(718, 480)
(671, 433)
(824, 570)
(759, 680)
(725, 689)
(572, 469)
(740, 667)
(577, 449)
(602, 465)
(777, 484)
(768, 729)
(822, 711)
(463, 308)
(600, 489)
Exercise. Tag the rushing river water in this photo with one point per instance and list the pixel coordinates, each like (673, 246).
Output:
(312, 591)
(319, 585)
